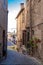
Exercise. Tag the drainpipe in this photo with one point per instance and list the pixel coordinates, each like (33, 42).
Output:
(30, 20)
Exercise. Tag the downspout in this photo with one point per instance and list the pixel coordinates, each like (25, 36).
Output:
(30, 20)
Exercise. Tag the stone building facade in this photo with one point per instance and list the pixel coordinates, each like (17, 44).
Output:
(30, 24)
(3, 27)
(20, 25)
(35, 16)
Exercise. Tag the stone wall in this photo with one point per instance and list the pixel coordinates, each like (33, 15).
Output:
(38, 24)
(3, 25)
(34, 14)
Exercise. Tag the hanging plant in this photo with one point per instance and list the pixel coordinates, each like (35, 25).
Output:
(32, 44)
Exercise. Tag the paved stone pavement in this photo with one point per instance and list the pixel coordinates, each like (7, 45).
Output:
(15, 58)
(9, 43)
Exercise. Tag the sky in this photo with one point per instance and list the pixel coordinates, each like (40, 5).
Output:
(13, 8)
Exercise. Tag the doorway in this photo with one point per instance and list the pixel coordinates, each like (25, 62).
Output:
(4, 50)
(24, 37)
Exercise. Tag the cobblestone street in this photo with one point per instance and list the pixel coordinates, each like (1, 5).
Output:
(15, 58)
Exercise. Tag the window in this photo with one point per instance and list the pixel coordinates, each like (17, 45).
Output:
(23, 17)
(32, 32)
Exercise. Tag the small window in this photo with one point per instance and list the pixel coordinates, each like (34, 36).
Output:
(32, 32)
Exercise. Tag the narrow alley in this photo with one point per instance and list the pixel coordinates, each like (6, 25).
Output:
(21, 32)
(15, 58)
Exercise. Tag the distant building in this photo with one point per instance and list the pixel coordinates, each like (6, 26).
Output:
(20, 25)
(11, 36)
(3, 27)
